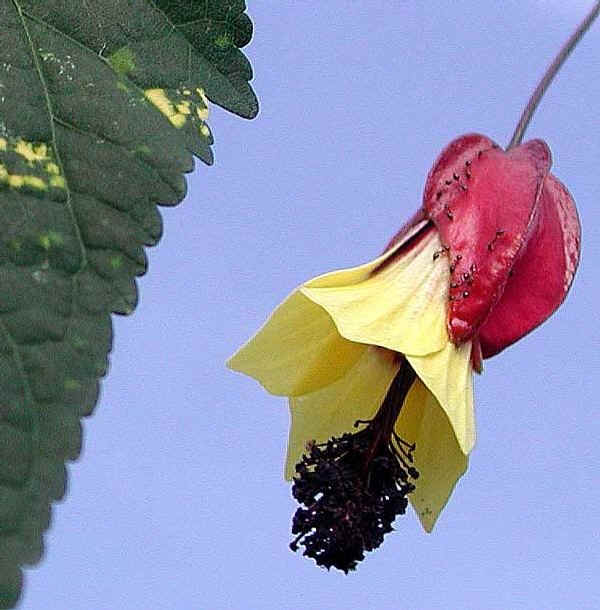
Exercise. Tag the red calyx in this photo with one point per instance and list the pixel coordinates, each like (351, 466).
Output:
(512, 234)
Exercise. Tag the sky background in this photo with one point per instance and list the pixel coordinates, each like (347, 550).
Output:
(178, 501)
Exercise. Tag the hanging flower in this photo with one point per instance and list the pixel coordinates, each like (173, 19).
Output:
(377, 360)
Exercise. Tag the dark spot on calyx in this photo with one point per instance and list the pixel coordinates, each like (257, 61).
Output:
(352, 487)
(491, 244)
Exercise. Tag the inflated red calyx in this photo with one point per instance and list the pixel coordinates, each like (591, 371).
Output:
(542, 275)
(511, 233)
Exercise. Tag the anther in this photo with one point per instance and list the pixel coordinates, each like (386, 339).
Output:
(352, 487)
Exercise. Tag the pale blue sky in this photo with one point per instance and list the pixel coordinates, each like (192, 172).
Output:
(178, 501)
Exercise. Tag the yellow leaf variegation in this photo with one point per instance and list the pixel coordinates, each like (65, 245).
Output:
(335, 345)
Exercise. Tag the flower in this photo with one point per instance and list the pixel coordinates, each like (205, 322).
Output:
(377, 360)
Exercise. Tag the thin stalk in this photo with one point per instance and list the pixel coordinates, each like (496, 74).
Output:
(551, 72)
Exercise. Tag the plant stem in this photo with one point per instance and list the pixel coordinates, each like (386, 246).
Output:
(551, 72)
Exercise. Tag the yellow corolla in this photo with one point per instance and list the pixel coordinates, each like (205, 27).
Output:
(336, 344)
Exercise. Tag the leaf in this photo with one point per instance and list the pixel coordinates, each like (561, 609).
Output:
(102, 106)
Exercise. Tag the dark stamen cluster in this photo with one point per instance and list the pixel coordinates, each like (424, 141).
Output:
(353, 487)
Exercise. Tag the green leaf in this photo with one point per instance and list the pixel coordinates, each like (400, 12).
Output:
(102, 107)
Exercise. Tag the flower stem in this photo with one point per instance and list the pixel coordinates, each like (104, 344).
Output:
(551, 72)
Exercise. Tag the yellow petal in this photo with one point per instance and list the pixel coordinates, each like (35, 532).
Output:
(449, 376)
(438, 457)
(297, 350)
(333, 410)
(400, 305)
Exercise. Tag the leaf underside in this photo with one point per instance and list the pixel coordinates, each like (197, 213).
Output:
(102, 108)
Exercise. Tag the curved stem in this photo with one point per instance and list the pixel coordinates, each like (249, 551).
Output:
(551, 72)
